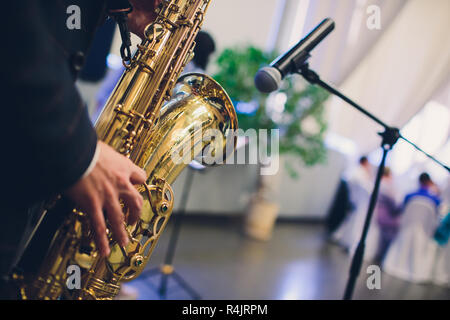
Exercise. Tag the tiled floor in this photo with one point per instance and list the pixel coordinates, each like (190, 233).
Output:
(219, 263)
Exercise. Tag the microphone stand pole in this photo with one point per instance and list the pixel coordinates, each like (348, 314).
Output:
(389, 137)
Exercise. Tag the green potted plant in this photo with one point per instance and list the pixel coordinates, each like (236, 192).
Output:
(297, 110)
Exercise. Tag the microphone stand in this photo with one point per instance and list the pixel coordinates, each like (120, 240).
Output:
(167, 269)
(389, 137)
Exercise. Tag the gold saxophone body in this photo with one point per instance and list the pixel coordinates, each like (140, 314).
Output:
(141, 122)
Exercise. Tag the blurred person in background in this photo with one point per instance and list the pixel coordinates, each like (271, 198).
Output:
(205, 47)
(360, 184)
(443, 231)
(441, 275)
(363, 175)
(412, 254)
(339, 209)
(387, 214)
(427, 188)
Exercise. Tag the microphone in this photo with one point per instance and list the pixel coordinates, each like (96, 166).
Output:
(269, 78)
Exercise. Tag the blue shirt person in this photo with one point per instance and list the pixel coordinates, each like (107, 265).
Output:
(426, 185)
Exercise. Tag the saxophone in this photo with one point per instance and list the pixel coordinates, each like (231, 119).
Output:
(142, 122)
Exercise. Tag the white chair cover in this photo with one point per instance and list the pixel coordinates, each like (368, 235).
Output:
(349, 232)
(372, 236)
(412, 254)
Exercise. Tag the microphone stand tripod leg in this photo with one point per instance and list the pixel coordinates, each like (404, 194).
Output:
(167, 269)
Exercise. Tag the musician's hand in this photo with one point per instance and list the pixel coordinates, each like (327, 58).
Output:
(143, 13)
(112, 178)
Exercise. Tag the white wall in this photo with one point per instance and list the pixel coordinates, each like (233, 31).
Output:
(227, 189)
(233, 22)
(312, 193)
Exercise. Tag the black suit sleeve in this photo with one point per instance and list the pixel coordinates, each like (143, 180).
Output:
(50, 139)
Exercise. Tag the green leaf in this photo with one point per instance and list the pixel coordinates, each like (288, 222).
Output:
(236, 69)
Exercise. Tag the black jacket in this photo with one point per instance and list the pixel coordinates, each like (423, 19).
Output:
(50, 140)
(47, 139)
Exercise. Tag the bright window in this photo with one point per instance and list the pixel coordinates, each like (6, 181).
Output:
(429, 129)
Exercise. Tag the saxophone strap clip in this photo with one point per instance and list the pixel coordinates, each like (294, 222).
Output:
(119, 10)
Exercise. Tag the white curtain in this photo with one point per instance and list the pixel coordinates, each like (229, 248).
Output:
(408, 65)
